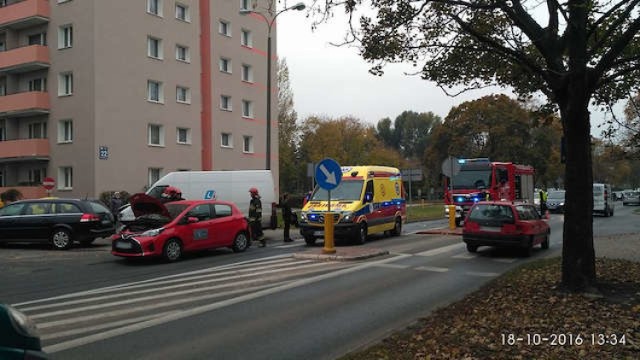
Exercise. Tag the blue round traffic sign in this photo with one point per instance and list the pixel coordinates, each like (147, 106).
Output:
(328, 174)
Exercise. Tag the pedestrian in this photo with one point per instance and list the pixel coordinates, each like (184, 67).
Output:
(287, 215)
(115, 203)
(543, 202)
(255, 217)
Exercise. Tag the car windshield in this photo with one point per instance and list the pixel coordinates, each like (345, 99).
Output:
(175, 209)
(598, 190)
(346, 190)
(632, 194)
(472, 179)
(555, 195)
(491, 212)
(10, 210)
(156, 191)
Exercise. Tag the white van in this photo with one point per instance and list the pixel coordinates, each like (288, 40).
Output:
(603, 202)
(232, 185)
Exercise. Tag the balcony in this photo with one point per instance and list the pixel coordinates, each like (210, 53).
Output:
(24, 104)
(28, 192)
(24, 150)
(24, 14)
(24, 59)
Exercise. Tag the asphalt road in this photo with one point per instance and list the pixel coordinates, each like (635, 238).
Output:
(261, 304)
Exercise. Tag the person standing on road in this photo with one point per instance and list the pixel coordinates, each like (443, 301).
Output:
(255, 217)
(285, 205)
(543, 201)
(115, 203)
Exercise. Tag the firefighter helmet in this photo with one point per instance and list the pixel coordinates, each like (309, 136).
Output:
(253, 191)
(172, 192)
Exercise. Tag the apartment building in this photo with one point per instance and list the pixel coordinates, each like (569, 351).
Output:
(111, 95)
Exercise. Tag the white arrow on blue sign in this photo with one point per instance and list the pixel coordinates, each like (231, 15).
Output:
(328, 174)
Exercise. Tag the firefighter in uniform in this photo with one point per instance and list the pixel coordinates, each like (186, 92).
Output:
(255, 217)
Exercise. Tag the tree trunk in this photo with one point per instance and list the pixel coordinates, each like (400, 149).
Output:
(578, 255)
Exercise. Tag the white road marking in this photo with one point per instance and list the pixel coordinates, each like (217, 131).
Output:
(210, 307)
(432, 268)
(441, 250)
(393, 266)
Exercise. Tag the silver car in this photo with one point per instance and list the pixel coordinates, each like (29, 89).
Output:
(631, 198)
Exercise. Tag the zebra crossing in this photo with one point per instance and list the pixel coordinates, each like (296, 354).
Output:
(80, 318)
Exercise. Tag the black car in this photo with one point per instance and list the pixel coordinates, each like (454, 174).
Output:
(58, 221)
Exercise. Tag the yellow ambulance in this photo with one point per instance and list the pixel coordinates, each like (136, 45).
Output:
(369, 199)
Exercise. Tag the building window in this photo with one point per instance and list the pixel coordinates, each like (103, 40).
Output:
(226, 140)
(154, 91)
(38, 84)
(65, 131)
(247, 109)
(3, 131)
(182, 12)
(2, 179)
(65, 36)
(183, 95)
(224, 28)
(38, 130)
(182, 53)
(154, 7)
(38, 39)
(225, 65)
(154, 175)
(183, 136)
(246, 38)
(225, 102)
(247, 73)
(65, 84)
(155, 135)
(245, 5)
(37, 175)
(65, 178)
(3, 90)
(247, 144)
(154, 47)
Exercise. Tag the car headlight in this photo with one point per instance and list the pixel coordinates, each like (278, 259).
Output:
(561, 204)
(21, 322)
(347, 216)
(154, 232)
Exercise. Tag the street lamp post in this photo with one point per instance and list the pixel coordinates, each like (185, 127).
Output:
(270, 21)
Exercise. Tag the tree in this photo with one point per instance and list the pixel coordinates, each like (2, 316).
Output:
(574, 52)
(410, 132)
(288, 132)
(346, 140)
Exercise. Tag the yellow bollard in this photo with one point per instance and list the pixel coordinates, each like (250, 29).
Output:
(328, 234)
(452, 217)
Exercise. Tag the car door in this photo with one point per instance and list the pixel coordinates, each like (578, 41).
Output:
(36, 222)
(9, 221)
(224, 225)
(198, 235)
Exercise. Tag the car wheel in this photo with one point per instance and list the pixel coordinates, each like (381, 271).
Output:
(397, 229)
(172, 250)
(472, 248)
(545, 243)
(240, 243)
(310, 240)
(361, 237)
(61, 239)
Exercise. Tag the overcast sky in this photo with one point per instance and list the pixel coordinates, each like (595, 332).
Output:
(334, 81)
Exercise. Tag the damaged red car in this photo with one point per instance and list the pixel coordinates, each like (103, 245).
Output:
(173, 228)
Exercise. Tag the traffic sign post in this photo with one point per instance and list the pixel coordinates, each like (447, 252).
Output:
(328, 175)
(48, 183)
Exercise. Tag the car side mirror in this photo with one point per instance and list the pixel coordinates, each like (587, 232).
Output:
(192, 219)
(368, 197)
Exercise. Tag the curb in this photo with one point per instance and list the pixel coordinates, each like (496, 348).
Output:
(342, 254)
(441, 231)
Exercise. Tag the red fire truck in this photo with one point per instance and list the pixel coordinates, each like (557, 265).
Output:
(480, 179)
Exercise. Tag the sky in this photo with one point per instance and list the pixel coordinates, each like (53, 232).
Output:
(335, 82)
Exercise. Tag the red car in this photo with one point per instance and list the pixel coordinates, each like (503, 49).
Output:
(172, 228)
(505, 224)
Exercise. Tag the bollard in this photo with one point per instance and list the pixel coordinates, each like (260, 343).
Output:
(452, 217)
(328, 234)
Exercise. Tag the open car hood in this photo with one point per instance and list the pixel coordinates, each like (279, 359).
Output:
(143, 204)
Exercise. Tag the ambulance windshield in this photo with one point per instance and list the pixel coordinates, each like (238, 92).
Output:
(346, 190)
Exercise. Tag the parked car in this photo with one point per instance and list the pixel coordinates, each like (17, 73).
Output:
(172, 228)
(603, 202)
(54, 220)
(555, 201)
(631, 198)
(19, 338)
(505, 224)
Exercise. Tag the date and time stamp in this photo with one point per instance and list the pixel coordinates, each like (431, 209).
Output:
(564, 339)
